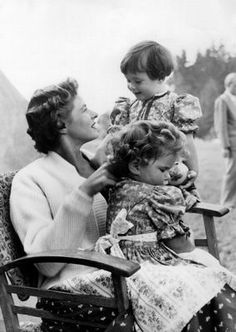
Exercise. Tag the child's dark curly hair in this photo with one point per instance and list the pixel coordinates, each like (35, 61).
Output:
(43, 110)
(143, 141)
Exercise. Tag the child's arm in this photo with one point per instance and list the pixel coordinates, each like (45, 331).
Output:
(191, 160)
(180, 244)
(187, 111)
(120, 112)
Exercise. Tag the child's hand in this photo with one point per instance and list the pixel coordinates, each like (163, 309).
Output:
(120, 110)
(191, 177)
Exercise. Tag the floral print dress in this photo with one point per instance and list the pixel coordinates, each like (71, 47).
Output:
(168, 290)
(182, 110)
(150, 209)
(169, 293)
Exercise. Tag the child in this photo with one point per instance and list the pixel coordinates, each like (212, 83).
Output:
(170, 292)
(146, 67)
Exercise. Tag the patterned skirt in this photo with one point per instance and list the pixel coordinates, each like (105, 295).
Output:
(164, 298)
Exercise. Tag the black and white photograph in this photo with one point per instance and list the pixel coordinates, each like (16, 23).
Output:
(118, 165)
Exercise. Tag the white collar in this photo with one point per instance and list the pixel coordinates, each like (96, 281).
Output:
(61, 161)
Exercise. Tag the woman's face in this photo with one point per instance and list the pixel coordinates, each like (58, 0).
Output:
(80, 124)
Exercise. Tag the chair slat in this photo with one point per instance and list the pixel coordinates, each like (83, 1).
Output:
(45, 314)
(211, 235)
(208, 212)
(60, 295)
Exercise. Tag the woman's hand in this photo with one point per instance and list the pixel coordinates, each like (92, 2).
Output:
(191, 177)
(98, 181)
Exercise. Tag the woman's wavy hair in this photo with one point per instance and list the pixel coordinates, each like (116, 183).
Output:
(46, 107)
(143, 141)
(149, 57)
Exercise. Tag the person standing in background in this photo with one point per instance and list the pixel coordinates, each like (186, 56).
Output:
(225, 127)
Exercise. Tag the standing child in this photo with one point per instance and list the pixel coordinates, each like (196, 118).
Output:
(146, 67)
(179, 287)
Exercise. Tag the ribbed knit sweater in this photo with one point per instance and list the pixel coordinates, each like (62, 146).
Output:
(49, 211)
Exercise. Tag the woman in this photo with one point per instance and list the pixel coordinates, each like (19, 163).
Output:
(55, 201)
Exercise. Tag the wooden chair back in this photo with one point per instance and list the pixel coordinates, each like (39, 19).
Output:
(119, 268)
(10, 244)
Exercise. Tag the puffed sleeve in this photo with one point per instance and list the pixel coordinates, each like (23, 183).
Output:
(120, 113)
(166, 208)
(187, 110)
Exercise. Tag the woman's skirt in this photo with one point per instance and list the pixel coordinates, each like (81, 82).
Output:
(171, 298)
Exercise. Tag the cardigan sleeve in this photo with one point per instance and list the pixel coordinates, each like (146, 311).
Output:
(220, 122)
(38, 229)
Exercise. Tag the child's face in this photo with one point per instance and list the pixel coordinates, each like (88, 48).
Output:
(157, 171)
(141, 85)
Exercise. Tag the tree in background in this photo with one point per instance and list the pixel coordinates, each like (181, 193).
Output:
(204, 79)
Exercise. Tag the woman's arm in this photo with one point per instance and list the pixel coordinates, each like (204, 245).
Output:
(42, 226)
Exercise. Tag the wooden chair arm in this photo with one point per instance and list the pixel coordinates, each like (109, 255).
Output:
(115, 265)
(208, 212)
(209, 209)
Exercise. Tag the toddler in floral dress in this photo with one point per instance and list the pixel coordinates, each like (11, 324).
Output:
(146, 67)
(179, 287)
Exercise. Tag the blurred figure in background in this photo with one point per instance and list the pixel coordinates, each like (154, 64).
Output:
(225, 127)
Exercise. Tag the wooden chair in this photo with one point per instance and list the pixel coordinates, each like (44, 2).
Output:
(119, 268)
(18, 275)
